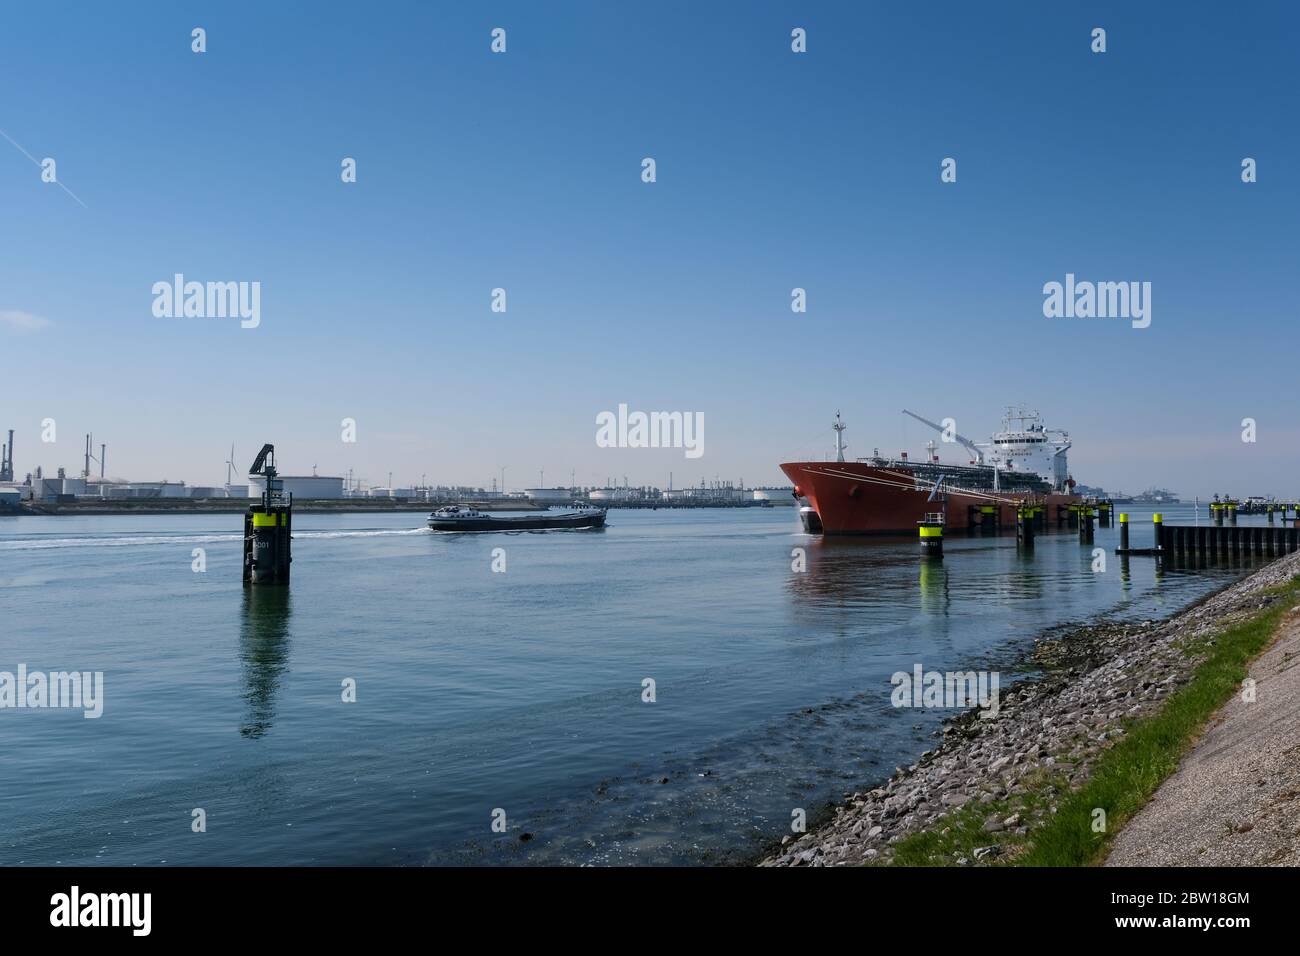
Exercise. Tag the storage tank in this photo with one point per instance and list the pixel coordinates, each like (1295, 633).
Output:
(300, 486)
(549, 496)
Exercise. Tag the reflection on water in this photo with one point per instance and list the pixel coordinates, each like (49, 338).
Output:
(263, 653)
(870, 572)
(851, 572)
(935, 598)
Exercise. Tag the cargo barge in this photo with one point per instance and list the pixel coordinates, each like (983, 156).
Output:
(457, 518)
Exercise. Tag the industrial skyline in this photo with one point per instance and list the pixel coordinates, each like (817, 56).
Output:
(915, 441)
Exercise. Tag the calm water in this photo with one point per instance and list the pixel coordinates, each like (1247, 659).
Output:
(479, 690)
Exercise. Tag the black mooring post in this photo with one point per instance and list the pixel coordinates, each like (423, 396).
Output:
(1025, 528)
(931, 537)
(248, 545)
(267, 527)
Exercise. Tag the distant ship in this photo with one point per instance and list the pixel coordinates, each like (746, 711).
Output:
(1023, 462)
(1156, 496)
(460, 518)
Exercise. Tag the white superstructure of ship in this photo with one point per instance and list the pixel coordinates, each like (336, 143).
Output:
(1023, 446)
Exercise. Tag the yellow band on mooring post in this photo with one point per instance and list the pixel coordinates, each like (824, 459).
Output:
(931, 532)
(1123, 517)
(263, 520)
(1157, 517)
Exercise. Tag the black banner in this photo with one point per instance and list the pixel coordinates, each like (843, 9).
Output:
(334, 905)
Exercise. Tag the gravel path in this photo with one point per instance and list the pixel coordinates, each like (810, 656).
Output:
(1235, 799)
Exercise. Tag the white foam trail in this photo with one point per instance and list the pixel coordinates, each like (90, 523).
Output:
(138, 540)
(356, 534)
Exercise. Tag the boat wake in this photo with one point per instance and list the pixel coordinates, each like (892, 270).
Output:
(143, 540)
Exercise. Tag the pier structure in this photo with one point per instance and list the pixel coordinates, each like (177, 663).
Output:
(1157, 522)
(1231, 540)
(1085, 524)
(1026, 516)
(1213, 541)
(930, 530)
(268, 526)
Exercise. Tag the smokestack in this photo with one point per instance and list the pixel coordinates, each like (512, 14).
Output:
(102, 446)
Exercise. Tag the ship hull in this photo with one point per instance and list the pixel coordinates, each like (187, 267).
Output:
(854, 498)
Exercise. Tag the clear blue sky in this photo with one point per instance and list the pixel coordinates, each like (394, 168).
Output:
(775, 170)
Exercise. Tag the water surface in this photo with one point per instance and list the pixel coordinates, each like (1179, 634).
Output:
(477, 691)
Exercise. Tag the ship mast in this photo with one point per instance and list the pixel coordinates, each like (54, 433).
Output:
(839, 427)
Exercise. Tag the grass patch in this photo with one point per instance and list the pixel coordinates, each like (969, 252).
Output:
(1124, 776)
(962, 831)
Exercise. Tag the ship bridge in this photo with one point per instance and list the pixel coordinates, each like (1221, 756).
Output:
(1024, 445)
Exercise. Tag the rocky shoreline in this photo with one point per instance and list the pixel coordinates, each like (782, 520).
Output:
(1053, 727)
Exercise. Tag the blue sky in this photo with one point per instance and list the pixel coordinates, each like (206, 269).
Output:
(775, 171)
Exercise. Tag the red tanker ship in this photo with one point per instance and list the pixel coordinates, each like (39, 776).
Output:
(1023, 464)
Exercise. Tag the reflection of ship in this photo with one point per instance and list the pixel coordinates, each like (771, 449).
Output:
(1156, 496)
(1024, 462)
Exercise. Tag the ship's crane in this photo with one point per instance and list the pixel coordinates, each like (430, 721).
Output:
(961, 439)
